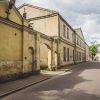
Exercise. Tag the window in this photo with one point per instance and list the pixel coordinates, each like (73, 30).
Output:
(73, 38)
(67, 54)
(80, 56)
(73, 55)
(67, 33)
(80, 42)
(64, 30)
(77, 40)
(77, 55)
(64, 53)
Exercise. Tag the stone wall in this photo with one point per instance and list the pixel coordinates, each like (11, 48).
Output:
(10, 70)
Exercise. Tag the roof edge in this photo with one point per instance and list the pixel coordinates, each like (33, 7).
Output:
(41, 8)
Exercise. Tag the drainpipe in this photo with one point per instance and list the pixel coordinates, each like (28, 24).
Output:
(22, 51)
(75, 49)
(58, 43)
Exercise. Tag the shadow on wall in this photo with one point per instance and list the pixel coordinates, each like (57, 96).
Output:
(44, 57)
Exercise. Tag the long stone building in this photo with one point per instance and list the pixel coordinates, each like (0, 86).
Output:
(32, 37)
(71, 45)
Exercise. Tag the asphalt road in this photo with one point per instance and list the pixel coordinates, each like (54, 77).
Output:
(82, 83)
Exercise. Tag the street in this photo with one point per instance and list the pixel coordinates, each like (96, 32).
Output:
(81, 83)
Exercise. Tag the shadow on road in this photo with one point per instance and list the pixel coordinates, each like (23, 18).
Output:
(65, 86)
(69, 80)
(66, 95)
(62, 88)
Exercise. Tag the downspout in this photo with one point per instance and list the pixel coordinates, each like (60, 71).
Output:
(58, 42)
(75, 49)
(22, 58)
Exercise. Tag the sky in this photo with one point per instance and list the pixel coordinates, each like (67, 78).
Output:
(78, 13)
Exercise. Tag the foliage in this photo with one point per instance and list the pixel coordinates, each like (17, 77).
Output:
(93, 49)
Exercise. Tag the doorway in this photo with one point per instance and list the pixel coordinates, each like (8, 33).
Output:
(45, 57)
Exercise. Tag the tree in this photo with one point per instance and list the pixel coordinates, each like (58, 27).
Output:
(93, 49)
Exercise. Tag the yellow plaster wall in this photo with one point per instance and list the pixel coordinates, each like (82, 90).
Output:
(10, 50)
(14, 16)
(29, 41)
(2, 10)
(10, 43)
(14, 42)
(47, 26)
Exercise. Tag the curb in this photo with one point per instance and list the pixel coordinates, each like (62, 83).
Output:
(16, 90)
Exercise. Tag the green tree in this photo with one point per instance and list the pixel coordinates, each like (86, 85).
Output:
(93, 49)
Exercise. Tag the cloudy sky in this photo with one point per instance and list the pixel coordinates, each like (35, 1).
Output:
(78, 13)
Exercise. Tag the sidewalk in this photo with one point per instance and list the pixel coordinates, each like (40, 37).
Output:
(14, 86)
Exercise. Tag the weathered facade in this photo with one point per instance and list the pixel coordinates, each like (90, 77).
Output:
(40, 38)
(97, 57)
(71, 45)
(87, 53)
(20, 45)
(80, 46)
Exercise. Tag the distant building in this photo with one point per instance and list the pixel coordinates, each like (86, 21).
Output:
(97, 57)
(88, 58)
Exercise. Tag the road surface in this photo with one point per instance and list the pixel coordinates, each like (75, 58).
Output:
(82, 83)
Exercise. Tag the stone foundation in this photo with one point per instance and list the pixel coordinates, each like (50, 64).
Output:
(12, 70)
(12, 77)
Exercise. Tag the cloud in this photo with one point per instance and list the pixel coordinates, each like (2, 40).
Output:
(81, 13)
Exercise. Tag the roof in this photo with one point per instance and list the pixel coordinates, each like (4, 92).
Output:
(79, 32)
(52, 11)
(55, 12)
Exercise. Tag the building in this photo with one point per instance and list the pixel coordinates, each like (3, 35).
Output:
(16, 47)
(80, 46)
(87, 53)
(36, 37)
(71, 43)
(97, 57)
